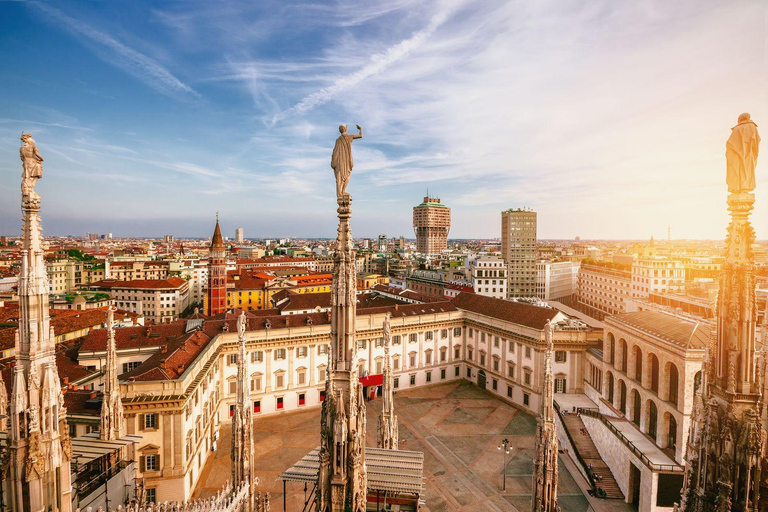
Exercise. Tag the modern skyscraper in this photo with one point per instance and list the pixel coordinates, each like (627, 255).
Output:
(431, 222)
(519, 251)
(239, 235)
(217, 274)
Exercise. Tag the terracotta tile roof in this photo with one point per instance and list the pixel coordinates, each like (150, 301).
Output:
(680, 331)
(507, 310)
(83, 402)
(170, 362)
(134, 337)
(313, 301)
(408, 294)
(312, 279)
(410, 309)
(9, 313)
(8, 338)
(305, 301)
(73, 321)
(69, 369)
(171, 282)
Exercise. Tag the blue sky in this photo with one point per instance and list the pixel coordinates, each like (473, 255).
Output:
(608, 118)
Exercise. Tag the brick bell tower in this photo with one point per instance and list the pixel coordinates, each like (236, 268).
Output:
(217, 274)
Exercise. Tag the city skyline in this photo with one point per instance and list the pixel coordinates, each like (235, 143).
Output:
(236, 107)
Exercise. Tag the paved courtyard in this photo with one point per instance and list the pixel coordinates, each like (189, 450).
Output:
(458, 428)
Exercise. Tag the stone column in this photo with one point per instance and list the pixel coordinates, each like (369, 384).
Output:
(420, 353)
(290, 351)
(312, 368)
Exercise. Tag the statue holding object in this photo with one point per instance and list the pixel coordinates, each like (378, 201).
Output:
(341, 160)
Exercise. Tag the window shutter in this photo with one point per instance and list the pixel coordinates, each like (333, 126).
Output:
(141, 426)
(142, 464)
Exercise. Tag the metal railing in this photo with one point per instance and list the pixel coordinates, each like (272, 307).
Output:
(581, 460)
(92, 480)
(595, 413)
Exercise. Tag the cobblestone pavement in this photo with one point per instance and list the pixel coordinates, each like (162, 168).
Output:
(458, 428)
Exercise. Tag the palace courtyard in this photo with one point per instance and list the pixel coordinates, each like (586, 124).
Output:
(457, 426)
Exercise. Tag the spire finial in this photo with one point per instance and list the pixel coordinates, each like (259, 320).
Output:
(217, 216)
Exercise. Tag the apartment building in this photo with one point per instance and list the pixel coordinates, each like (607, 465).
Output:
(158, 300)
(604, 289)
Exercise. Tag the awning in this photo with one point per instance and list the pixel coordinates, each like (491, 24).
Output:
(90, 447)
(398, 471)
(372, 380)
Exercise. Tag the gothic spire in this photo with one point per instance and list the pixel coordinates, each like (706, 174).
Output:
(342, 481)
(544, 497)
(40, 450)
(243, 471)
(112, 419)
(725, 460)
(388, 435)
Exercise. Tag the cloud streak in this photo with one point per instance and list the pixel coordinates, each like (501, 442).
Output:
(119, 55)
(376, 64)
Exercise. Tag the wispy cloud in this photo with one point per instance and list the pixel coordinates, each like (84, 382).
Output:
(376, 64)
(129, 60)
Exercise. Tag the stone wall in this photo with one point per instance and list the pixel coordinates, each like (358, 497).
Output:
(619, 459)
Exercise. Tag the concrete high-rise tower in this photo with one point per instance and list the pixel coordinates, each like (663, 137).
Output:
(431, 223)
(217, 274)
(519, 250)
(239, 235)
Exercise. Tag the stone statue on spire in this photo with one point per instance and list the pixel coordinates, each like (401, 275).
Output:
(39, 446)
(341, 160)
(32, 168)
(741, 154)
(342, 478)
(724, 458)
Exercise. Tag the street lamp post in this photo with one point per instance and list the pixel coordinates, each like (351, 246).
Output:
(506, 449)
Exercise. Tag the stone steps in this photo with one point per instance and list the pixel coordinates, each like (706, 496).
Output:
(583, 444)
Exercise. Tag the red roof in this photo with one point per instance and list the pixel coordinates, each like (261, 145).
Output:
(171, 282)
(510, 311)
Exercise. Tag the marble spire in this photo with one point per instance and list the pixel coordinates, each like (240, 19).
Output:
(387, 428)
(242, 421)
(544, 497)
(40, 448)
(342, 480)
(725, 455)
(112, 418)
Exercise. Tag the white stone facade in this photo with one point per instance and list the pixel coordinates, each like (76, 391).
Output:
(180, 419)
